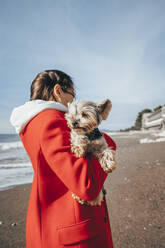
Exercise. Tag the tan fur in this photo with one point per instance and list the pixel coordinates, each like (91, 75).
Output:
(88, 116)
(104, 108)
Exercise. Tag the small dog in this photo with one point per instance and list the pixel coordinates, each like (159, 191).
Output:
(83, 118)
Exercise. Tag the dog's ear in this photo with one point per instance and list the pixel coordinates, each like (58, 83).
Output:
(104, 108)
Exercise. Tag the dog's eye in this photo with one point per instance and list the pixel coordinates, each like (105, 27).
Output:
(83, 114)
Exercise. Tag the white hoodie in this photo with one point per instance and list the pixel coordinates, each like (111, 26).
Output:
(21, 115)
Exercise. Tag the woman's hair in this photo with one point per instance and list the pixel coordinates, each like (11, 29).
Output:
(43, 85)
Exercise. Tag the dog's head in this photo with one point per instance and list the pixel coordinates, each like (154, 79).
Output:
(84, 116)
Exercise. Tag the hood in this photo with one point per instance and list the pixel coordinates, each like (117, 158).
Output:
(21, 115)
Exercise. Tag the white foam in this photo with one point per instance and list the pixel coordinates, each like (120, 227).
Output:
(160, 134)
(14, 177)
(15, 165)
(10, 145)
(147, 140)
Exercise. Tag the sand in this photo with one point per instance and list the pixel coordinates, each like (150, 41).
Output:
(135, 198)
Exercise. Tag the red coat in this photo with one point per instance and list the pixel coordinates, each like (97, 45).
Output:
(54, 218)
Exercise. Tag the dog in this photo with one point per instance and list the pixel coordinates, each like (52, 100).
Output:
(83, 119)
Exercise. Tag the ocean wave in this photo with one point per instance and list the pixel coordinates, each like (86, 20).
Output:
(15, 165)
(16, 160)
(10, 145)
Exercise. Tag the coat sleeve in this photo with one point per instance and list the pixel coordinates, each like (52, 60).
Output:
(110, 141)
(83, 176)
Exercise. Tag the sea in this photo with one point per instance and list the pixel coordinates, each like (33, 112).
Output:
(15, 165)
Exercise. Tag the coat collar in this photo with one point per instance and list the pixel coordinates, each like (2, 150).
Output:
(21, 115)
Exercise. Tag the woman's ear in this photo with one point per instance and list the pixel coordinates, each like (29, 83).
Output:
(57, 91)
(104, 108)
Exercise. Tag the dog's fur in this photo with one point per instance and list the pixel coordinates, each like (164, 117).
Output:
(83, 118)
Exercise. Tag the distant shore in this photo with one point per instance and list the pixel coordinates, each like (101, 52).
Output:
(135, 198)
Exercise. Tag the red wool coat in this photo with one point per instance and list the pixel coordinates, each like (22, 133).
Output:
(54, 218)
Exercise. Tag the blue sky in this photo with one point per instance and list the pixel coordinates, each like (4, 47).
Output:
(112, 49)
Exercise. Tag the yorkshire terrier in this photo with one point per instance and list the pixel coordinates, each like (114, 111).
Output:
(83, 118)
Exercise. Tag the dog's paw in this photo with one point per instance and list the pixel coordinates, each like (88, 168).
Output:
(107, 160)
(78, 151)
(110, 166)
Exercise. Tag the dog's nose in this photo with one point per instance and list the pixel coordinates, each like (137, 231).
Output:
(75, 123)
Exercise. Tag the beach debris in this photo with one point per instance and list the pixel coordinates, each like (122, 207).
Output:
(13, 224)
(126, 179)
(1, 222)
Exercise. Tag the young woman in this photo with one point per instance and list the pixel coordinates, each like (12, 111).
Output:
(54, 218)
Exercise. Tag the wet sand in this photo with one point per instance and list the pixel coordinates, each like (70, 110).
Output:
(135, 198)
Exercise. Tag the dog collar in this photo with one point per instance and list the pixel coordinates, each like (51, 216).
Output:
(95, 134)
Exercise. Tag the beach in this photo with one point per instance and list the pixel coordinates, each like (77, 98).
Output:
(135, 196)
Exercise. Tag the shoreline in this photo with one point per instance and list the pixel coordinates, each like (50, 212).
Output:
(14, 186)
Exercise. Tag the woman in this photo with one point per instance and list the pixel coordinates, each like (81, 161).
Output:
(54, 218)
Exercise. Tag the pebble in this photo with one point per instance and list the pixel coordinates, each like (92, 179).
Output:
(13, 224)
(1, 222)
(126, 179)
(145, 228)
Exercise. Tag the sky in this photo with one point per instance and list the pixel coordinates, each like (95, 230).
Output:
(111, 48)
